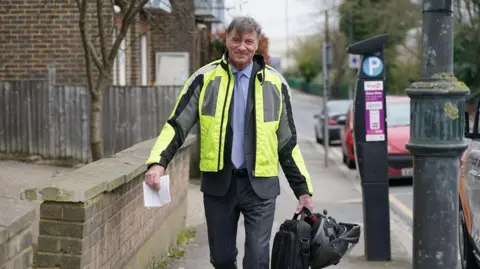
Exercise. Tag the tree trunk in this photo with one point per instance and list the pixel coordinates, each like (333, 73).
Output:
(96, 138)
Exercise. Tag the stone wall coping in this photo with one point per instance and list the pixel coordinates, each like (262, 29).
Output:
(15, 215)
(89, 181)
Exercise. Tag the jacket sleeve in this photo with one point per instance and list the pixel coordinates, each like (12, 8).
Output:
(182, 119)
(289, 153)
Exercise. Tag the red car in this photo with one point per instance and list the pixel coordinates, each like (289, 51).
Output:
(400, 161)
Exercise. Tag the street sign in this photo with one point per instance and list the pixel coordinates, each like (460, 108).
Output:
(372, 66)
(353, 61)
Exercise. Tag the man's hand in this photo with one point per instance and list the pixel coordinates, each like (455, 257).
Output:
(304, 201)
(152, 176)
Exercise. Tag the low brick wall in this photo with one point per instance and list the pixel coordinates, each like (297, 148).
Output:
(94, 217)
(16, 234)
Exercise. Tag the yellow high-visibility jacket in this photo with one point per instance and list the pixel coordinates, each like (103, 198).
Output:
(206, 98)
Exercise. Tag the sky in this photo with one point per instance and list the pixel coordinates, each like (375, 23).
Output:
(302, 15)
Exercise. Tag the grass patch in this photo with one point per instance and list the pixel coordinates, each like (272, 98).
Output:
(175, 252)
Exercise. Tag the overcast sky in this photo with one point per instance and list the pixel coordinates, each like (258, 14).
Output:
(271, 15)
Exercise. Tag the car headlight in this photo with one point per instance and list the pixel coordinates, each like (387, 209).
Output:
(389, 148)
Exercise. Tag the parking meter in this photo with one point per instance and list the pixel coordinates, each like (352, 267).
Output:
(370, 145)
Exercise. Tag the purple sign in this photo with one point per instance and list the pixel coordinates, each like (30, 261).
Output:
(374, 111)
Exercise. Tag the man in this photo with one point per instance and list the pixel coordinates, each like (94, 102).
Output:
(246, 129)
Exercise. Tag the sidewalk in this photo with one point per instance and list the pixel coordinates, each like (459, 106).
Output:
(333, 191)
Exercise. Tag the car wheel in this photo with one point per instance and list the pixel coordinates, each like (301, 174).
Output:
(317, 138)
(467, 258)
(351, 164)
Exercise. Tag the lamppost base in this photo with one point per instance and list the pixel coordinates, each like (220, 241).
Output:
(436, 143)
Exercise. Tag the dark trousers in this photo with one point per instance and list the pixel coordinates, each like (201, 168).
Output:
(222, 214)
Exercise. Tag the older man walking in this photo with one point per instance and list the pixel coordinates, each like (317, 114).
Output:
(246, 129)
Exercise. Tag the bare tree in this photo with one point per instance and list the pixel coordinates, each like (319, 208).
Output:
(102, 61)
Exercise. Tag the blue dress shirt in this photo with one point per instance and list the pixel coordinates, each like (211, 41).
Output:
(240, 94)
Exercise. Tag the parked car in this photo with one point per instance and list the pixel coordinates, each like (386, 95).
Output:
(469, 193)
(400, 161)
(337, 110)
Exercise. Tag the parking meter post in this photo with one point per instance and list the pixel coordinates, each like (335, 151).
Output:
(436, 143)
(370, 136)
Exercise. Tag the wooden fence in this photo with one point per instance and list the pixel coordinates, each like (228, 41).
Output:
(54, 121)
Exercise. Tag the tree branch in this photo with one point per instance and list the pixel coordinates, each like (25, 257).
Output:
(129, 15)
(94, 56)
(101, 31)
(83, 10)
(469, 11)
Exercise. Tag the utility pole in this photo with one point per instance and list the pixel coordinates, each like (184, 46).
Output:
(350, 41)
(325, 60)
(436, 142)
(287, 47)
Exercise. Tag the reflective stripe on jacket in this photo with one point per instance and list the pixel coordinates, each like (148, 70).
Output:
(206, 97)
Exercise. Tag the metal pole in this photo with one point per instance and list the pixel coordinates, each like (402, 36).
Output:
(436, 143)
(350, 41)
(325, 90)
(287, 47)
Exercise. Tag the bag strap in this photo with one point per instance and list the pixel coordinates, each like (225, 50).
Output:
(303, 213)
(305, 243)
(304, 239)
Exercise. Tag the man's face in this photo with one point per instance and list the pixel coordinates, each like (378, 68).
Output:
(241, 48)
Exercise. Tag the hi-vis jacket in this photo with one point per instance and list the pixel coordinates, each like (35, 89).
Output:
(206, 97)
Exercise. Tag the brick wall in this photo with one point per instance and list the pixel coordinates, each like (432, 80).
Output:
(172, 32)
(35, 34)
(16, 234)
(99, 220)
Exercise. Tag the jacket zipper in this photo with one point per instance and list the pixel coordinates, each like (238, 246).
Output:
(221, 122)
(254, 127)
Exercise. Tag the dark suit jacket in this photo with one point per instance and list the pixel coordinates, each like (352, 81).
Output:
(218, 183)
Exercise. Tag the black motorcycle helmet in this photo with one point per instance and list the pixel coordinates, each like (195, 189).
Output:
(331, 241)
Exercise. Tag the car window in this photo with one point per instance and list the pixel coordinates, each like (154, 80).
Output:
(398, 114)
(338, 107)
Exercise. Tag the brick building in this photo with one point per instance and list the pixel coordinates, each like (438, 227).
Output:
(163, 40)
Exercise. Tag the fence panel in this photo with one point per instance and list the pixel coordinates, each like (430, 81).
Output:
(54, 122)
(24, 117)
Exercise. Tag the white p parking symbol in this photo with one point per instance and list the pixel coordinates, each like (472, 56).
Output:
(372, 66)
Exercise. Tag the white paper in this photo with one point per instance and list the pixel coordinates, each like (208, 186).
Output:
(152, 198)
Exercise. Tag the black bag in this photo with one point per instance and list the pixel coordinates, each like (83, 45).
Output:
(291, 245)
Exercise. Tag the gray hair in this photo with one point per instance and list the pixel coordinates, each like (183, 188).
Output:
(244, 24)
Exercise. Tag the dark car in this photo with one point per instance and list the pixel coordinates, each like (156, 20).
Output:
(337, 115)
(469, 193)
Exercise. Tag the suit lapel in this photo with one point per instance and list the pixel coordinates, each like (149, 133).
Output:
(251, 95)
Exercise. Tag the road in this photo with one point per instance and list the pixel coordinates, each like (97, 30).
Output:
(304, 107)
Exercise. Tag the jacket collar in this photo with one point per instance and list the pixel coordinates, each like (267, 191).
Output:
(247, 71)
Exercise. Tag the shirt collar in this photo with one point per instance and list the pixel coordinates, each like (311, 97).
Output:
(247, 71)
